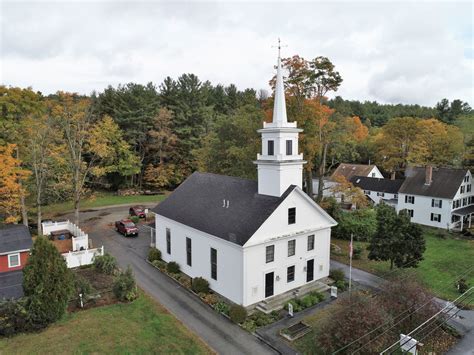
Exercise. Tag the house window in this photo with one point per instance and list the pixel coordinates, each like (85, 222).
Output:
(466, 178)
(367, 192)
(271, 147)
(410, 199)
(373, 174)
(382, 194)
(290, 274)
(188, 251)
(410, 213)
(311, 242)
(292, 215)
(289, 147)
(213, 264)
(395, 196)
(464, 201)
(291, 247)
(468, 188)
(168, 241)
(435, 217)
(463, 189)
(14, 260)
(270, 253)
(436, 203)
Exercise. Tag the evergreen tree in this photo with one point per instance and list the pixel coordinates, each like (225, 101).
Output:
(47, 283)
(396, 239)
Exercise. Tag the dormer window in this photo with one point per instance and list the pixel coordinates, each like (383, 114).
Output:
(271, 147)
(289, 147)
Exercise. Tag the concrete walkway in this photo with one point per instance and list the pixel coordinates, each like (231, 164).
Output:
(220, 334)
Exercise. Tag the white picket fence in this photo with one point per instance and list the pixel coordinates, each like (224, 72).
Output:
(82, 257)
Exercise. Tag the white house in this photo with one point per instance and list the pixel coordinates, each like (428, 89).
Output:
(438, 197)
(252, 240)
(378, 190)
(72, 242)
(348, 171)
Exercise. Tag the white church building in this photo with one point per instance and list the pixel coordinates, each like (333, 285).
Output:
(252, 240)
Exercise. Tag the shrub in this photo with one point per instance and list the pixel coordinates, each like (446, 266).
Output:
(357, 252)
(48, 284)
(125, 288)
(106, 264)
(82, 286)
(222, 307)
(337, 275)
(160, 264)
(318, 295)
(135, 219)
(154, 254)
(237, 313)
(361, 223)
(296, 305)
(341, 285)
(200, 284)
(211, 299)
(13, 317)
(462, 285)
(173, 267)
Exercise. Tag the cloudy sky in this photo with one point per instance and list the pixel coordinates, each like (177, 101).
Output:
(410, 52)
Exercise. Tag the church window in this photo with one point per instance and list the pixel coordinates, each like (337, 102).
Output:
(289, 147)
(188, 251)
(270, 253)
(213, 264)
(290, 274)
(292, 215)
(271, 147)
(291, 247)
(311, 242)
(168, 241)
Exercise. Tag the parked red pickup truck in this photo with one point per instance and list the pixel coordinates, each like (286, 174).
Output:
(138, 211)
(126, 227)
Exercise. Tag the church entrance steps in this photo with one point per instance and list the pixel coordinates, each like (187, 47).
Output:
(277, 302)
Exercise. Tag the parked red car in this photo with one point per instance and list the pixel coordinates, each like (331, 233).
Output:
(138, 211)
(126, 227)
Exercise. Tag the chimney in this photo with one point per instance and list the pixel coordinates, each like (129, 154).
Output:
(392, 175)
(428, 175)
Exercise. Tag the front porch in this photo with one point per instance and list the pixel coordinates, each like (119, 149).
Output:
(461, 219)
(277, 302)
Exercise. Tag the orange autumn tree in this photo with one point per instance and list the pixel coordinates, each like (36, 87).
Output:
(11, 189)
(349, 192)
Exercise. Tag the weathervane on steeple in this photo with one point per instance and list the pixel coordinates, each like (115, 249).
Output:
(279, 47)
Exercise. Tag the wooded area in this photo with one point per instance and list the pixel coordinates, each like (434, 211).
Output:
(151, 137)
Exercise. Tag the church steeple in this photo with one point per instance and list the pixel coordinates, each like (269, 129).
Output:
(279, 165)
(279, 106)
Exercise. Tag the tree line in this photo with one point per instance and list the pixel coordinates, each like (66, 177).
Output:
(63, 146)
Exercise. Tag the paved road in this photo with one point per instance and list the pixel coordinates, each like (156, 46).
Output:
(219, 333)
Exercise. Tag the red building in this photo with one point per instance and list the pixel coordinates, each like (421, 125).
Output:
(15, 245)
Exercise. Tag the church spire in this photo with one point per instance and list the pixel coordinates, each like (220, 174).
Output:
(279, 106)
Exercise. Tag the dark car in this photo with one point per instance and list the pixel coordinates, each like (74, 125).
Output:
(138, 211)
(126, 227)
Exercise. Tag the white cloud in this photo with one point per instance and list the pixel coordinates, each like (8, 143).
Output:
(390, 52)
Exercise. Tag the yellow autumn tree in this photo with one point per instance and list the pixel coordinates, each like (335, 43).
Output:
(11, 189)
(349, 192)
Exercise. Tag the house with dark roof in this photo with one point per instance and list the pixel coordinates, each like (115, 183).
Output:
(15, 245)
(438, 197)
(256, 242)
(378, 190)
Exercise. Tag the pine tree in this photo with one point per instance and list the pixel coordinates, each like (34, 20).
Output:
(47, 283)
(396, 239)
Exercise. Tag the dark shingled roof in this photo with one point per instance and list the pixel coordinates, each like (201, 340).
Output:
(198, 203)
(14, 237)
(376, 184)
(350, 170)
(11, 284)
(445, 182)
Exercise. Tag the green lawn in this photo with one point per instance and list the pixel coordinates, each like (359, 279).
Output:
(444, 260)
(100, 200)
(141, 327)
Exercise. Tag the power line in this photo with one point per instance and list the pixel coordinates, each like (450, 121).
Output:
(465, 272)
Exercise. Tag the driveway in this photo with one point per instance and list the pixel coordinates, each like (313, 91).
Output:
(220, 334)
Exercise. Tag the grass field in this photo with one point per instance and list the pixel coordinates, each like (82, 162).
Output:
(444, 260)
(141, 327)
(100, 200)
